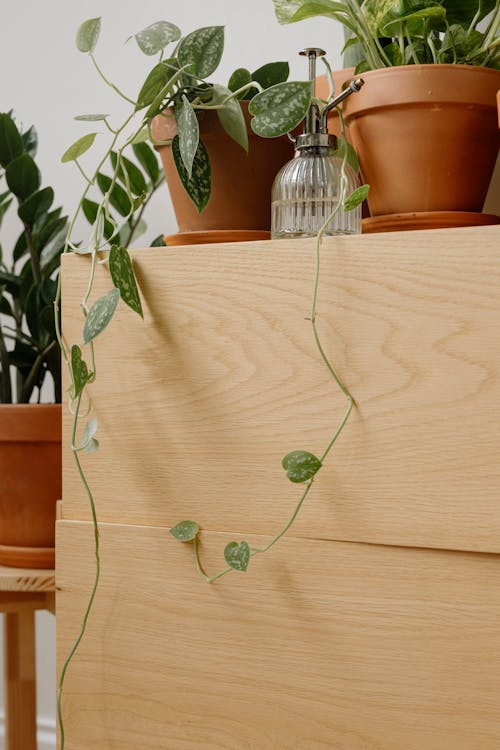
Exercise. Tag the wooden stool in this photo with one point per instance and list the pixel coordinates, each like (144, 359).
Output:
(22, 592)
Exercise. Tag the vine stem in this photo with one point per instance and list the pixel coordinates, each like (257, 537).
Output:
(90, 603)
(324, 357)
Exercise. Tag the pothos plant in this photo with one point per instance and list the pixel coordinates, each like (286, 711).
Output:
(406, 32)
(180, 81)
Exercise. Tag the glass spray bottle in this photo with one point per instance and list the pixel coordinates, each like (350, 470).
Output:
(307, 189)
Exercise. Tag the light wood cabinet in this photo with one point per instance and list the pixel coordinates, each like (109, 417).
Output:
(374, 626)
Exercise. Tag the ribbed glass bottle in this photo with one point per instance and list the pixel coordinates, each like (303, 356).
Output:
(305, 193)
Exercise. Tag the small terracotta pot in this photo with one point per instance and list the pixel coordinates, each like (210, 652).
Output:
(30, 483)
(426, 136)
(241, 182)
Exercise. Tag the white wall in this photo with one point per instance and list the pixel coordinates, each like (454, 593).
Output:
(47, 81)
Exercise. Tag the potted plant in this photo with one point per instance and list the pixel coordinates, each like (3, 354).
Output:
(219, 162)
(30, 432)
(424, 124)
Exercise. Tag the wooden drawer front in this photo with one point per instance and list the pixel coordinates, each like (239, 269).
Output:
(198, 404)
(322, 645)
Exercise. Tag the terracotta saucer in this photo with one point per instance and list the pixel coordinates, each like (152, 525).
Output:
(216, 235)
(427, 220)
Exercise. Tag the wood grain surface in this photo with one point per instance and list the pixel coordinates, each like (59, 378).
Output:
(26, 579)
(198, 404)
(322, 646)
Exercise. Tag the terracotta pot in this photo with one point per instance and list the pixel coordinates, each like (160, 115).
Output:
(30, 483)
(426, 136)
(241, 182)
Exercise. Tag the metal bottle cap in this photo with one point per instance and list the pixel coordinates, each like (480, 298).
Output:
(316, 140)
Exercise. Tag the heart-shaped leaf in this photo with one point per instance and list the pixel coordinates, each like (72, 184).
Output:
(279, 109)
(300, 466)
(100, 315)
(88, 34)
(272, 73)
(92, 446)
(238, 79)
(79, 369)
(185, 531)
(78, 148)
(356, 197)
(189, 133)
(237, 555)
(198, 186)
(202, 50)
(155, 37)
(122, 274)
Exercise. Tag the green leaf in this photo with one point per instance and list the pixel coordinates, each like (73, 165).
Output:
(271, 74)
(202, 50)
(154, 38)
(158, 241)
(198, 186)
(88, 443)
(92, 446)
(136, 179)
(90, 210)
(147, 159)
(81, 375)
(22, 176)
(237, 555)
(117, 195)
(231, 117)
(189, 133)
(78, 148)
(300, 466)
(356, 197)
(100, 315)
(155, 82)
(464, 11)
(123, 277)
(90, 118)
(38, 203)
(238, 79)
(88, 34)
(48, 233)
(11, 142)
(185, 531)
(4, 207)
(30, 141)
(291, 11)
(280, 109)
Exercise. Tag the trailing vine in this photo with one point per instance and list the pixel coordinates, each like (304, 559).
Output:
(179, 82)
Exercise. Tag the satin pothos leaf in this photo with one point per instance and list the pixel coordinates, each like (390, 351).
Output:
(123, 277)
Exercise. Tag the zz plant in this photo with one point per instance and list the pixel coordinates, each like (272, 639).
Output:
(29, 352)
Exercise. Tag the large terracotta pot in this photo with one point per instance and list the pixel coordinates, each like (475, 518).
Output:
(426, 136)
(30, 483)
(241, 182)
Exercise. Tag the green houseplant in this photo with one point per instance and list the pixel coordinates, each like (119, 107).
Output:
(208, 141)
(30, 433)
(424, 124)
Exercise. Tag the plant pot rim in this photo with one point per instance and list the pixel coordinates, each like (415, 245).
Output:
(30, 423)
(424, 85)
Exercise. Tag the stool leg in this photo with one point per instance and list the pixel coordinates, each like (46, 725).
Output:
(20, 680)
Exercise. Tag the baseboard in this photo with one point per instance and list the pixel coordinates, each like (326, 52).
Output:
(46, 732)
